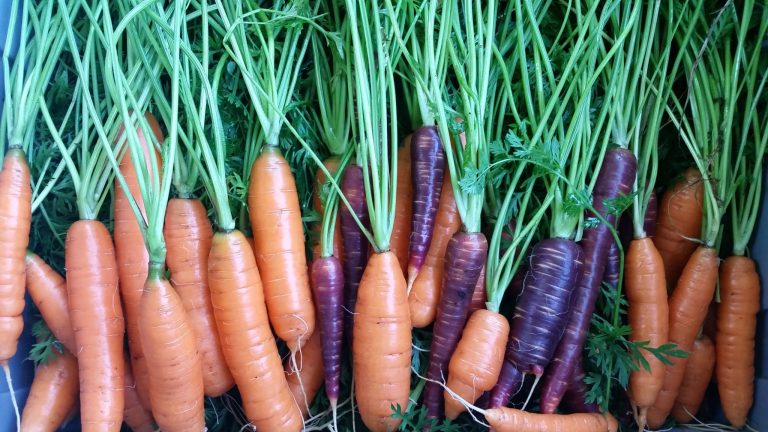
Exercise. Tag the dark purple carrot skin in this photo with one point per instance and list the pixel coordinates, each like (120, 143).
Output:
(427, 168)
(464, 258)
(355, 243)
(651, 214)
(541, 312)
(612, 266)
(328, 291)
(510, 381)
(575, 398)
(615, 178)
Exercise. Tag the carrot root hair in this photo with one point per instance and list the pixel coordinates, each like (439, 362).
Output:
(9, 380)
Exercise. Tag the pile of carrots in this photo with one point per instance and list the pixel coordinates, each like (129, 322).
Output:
(430, 214)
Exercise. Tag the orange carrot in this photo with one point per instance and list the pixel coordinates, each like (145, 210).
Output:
(381, 346)
(305, 382)
(15, 220)
(53, 394)
(98, 324)
(48, 291)
(246, 338)
(399, 241)
(476, 363)
(514, 420)
(648, 315)
(278, 236)
(138, 418)
(131, 253)
(687, 310)
(175, 373)
(698, 374)
(425, 293)
(188, 236)
(680, 218)
(479, 295)
(332, 165)
(736, 324)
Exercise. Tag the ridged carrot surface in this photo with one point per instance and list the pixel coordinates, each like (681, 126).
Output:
(188, 235)
(48, 291)
(15, 220)
(53, 394)
(698, 375)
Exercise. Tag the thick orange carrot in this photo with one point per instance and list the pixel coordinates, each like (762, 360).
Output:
(278, 236)
(332, 165)
(48, 291)
(381, 346)
(687, 310)
(131, 253)
(98, 324)
(736, 325)
(188, 236)
(53, 394)
(305, 382)
(425, 293)
(680, 217)
(648, 315)
(514, 420)
(479, 295)
(15, 219)
(175, 373)
(138, 418)
(246, 338)
(698, 374)
(400, 239)
(476, 363)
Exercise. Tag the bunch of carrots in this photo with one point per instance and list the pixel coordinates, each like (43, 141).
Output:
(416, 215)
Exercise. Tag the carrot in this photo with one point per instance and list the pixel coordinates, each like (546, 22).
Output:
(687, 310)
(48, 291)
(648, 315)
(382, 343)
(15, 220)
(305, 382)
(464, 260)
(698, 374)
(278, 236)
(401, 230)
(53, 394)
(138, 418)
(132, 255)
(475, 365)
(332, 164)
(188, 236)
(428, 165)
(680, 219)
(479, 295)
(514, 420)
(575, 399)
(736, 325)
(355, 244)
(246, 338)
(98, 324)
(425, 292)
(328, 289)
(175, 373)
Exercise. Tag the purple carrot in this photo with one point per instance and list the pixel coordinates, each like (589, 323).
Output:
(510, 381)
(464, 259)
(328, 290)
(575, 398)
(615, 178)
(355, 243)
(427, 166)
(541, 312)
